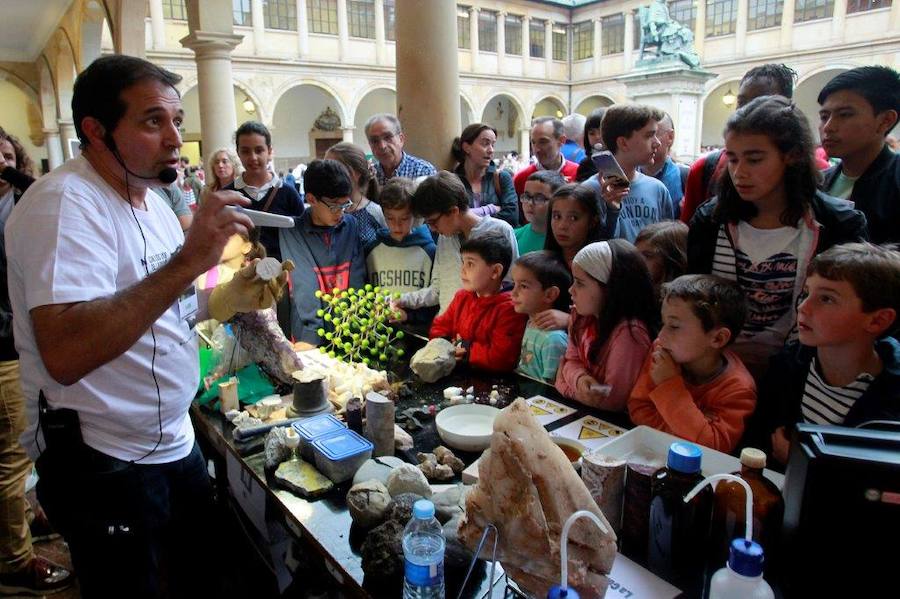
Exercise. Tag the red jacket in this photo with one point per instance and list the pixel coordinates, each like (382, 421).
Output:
(568, 171)
(699, 186)
(489, 325)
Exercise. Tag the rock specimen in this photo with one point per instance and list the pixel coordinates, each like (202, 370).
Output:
(434, 361)
(377, 469)
(448, 458)
(432, 470)
(400, 508)
(368, 502)
(382, 551)
(402, 439)
(277, 450)
(302, 478)
(449, 504)
(408, 479)
(527, 488)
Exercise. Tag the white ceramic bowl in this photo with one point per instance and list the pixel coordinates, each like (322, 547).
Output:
(467, 427)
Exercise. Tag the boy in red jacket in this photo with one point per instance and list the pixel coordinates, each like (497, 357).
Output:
(481, 319)
(691, 385)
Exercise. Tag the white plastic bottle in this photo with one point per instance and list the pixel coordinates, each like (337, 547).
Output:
(741, 578)
(423, 550)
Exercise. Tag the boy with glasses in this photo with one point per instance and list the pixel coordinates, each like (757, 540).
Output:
(539, 188)
(444, 204)
(324, 245)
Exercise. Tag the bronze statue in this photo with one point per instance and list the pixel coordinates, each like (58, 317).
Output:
(667, 37)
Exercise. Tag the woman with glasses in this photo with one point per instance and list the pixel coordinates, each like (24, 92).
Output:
(491, 191)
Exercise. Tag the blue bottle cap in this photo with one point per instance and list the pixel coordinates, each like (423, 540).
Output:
(556, 592)
(684, 457)
(423, 509)
(746, 558)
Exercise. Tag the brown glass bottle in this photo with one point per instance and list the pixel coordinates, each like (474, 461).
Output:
(729, 511)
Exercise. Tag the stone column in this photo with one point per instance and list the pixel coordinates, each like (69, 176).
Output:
(129, 30)
(598, 44)
(347, 133)
(212, 52)
(524, 141)
(259, 26)
(787, 25)
(501, 40)
(895, 17)
(428, 78)
(67, 133)
(302, 29)
(473, 36)
(548, 48)
(380, 56)
(343, 29)
(700, 26)
(157, 25)
(526, 44)
(839, 19)
(54, 149)
(740, 28)
(629, 41)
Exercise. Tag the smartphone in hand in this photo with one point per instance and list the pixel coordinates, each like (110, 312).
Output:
(609, 168)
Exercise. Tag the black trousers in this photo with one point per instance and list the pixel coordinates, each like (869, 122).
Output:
(134, 530)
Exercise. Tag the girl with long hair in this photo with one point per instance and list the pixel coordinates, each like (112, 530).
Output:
(768, 221)
(613, 321)
(365, 210)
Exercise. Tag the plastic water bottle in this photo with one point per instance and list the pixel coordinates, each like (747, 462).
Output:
(742, 577)
(423, 550)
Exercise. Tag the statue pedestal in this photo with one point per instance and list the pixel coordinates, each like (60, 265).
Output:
(670, 85)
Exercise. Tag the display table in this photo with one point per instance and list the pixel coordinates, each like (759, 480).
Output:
(323, 525)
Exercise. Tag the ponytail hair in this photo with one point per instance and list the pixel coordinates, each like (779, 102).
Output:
(785, 125)
(354, 159)
(468, 136)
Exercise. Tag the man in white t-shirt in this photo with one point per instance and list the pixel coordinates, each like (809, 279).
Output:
(101, 286)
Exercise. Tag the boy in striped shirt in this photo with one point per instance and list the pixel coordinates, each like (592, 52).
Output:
(845, 369)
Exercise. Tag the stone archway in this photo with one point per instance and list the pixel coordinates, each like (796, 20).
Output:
(592, 103)
(190, 130)
(466, 114)
(504, 113)
(716, 111)
(293, 119)
(549, 106)
(376, 101)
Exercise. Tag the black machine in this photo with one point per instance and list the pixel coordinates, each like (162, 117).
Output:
(842, 511)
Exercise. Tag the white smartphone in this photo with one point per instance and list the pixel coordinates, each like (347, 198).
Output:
(267, 219)
(608, 167)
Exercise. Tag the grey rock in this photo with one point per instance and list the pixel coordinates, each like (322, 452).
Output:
(434, 361)
(382, 551)
(377, 469)
(276, 450)
(368, 502)
(407, 478)
(449, 504)
(400, 508)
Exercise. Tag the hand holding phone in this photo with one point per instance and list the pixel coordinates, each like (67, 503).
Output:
(609, 169)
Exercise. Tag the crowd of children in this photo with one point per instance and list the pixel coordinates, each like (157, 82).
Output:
(592, 292)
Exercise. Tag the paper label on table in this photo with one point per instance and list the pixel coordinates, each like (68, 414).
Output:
(589, 431)
(546, 410)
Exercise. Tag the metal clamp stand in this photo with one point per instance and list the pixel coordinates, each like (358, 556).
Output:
(484, 535)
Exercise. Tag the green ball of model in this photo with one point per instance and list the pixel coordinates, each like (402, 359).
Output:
(400, 353)
(382, 357)
(320, 332)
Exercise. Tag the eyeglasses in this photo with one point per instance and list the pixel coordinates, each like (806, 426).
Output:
(538, 199)
(433, 221)
(335, 208)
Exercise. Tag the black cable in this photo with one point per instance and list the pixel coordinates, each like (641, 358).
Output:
(152, 332)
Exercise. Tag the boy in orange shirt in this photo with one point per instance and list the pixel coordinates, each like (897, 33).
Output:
(691, 385)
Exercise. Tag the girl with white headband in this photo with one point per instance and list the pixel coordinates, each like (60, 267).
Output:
(612, 324)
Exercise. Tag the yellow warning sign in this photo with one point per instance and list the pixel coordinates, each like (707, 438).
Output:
(539, 411)
(589, 433)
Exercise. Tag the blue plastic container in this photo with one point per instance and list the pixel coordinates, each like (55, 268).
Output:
(339, 455)
(311, 429)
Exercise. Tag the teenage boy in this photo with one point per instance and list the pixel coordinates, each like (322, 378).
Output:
(691, 385)
(444, 204)
(260, 185)
(629, 132)
(481, 319)
(845, 368)
(403, 255)
(858, 109)
(539, 188)
(324, 245)
(540, 282)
